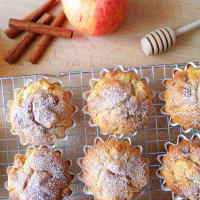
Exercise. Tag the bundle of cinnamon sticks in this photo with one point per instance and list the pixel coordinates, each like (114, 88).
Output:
(36, 23)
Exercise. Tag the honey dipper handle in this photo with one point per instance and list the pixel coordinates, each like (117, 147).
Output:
(188, 27)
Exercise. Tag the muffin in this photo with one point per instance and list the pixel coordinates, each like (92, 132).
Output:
(181, 168)
(39, 174)
(182, 98)
(41, 113)
(120, 102)
(114, 170)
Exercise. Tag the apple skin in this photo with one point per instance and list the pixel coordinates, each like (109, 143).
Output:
(95, 17)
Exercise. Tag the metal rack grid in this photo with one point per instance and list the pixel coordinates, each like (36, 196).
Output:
(152, 137)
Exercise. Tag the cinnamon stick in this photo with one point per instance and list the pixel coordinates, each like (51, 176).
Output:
(40, 28)
(13, 33)
(45, 40)
(19, 48)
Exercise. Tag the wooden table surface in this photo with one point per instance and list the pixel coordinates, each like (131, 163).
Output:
(121, 47)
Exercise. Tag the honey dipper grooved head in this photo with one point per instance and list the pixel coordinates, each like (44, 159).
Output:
(158, 41)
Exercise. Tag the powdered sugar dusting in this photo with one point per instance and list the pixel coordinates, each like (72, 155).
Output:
(181, 169)
(183, 98)
(44, 175)
(114, 94)
(38, 115)
(120, 102)
(114, 171)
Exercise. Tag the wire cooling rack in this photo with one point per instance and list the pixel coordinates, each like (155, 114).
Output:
(152, 137)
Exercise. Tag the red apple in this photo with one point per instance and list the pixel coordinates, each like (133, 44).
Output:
(95, 17)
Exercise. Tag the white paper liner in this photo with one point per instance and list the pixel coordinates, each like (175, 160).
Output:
(28, 83)
(52, 150)
(161, 96)
(159, 158)
(86, 147)
(92, 83)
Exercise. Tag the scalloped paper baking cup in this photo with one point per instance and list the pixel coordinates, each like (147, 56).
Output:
(161, 96)
(56, 140)
(92, 83)
(159, 158)
(52, 150)
(86, 147)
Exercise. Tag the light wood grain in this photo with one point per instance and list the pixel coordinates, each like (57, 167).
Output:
(121, 47)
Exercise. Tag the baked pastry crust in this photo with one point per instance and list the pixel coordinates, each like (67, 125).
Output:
(39, 174)
(183, 98)
(41, 112)
(114, 170)
(120, 102)
(181, 168)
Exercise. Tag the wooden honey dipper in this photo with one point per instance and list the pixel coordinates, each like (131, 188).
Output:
(164, 38)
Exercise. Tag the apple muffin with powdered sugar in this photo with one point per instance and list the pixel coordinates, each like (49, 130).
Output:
(120, 102)
(39, 174)
(114, 170)
(41, 113)
(182, 98)
(181, 168)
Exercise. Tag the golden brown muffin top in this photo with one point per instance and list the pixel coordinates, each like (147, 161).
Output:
(120, 102)
(181, 169)
(114, 170)
(40, 174)
(183, 98)
(41, 112)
